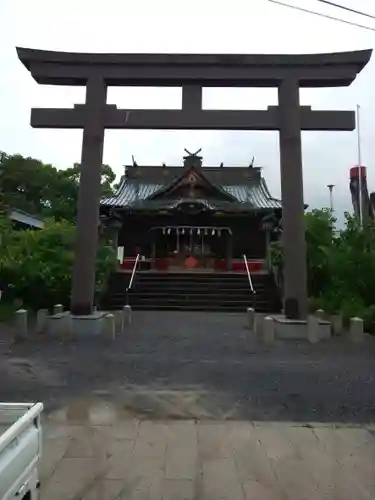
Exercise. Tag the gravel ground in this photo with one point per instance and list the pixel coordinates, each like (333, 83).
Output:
(195, 365)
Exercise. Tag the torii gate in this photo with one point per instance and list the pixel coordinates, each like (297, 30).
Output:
(192, 72)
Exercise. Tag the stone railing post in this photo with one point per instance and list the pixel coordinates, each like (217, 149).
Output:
(41, 320)
(58, 309)
(356, 332)
(21, 325)
(250, 318)
(110, 327)
(268, 330)
(320, 314)
(313, 329)
(126, 316)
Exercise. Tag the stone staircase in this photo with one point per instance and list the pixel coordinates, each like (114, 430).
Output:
(192, 291)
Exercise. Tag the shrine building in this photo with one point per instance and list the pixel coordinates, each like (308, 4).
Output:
(193, 217)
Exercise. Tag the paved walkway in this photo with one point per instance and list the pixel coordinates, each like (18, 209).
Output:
(92, 453)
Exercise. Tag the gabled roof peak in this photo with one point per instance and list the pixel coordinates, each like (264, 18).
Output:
(191, 176)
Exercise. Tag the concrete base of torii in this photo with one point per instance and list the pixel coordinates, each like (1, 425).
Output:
(65, 325)
(295, 329)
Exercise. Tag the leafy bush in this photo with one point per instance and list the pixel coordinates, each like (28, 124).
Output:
(341, 267)
(36, 265)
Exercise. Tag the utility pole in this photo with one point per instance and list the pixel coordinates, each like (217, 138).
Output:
(330, 187)
(360, 208)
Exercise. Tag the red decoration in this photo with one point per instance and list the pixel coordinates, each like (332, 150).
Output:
(254, 266)
(191, 262)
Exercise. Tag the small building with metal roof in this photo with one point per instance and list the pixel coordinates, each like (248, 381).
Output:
(24, 220)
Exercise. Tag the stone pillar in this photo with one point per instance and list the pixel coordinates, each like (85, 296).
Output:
(88, 199)
(293, 236)
(110, 327)
(319, 313)
(58, 309)
(313, 328)
(21, 325)
(41, 320)
(268, 330)
(250, 318)
(356, 330)
(126, 317)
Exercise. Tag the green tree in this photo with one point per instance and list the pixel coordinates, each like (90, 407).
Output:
(36, 265)
(41, 189)
(320, 240)
(341, 267)
(352, 265)
(107, 177)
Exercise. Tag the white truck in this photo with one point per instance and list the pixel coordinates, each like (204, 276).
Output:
(20, 450)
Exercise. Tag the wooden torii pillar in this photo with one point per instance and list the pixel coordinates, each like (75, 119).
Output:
(192, 72)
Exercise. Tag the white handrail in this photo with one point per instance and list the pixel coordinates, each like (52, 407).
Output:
(133, 272)
(248, 274)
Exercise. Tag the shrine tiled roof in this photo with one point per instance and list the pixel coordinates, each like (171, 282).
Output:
(246, 188)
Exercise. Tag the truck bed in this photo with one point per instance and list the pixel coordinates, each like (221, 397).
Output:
(3, 428)
(10, 413)
(20, 449)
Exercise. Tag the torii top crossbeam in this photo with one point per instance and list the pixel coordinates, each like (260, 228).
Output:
(207, 70)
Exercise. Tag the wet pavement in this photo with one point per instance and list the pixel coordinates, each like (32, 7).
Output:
(192, 406)
(196, 366)
(93, 450)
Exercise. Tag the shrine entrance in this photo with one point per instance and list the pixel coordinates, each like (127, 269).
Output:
(193, 72)
(191, 248)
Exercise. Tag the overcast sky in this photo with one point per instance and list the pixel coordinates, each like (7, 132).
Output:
(235, 26)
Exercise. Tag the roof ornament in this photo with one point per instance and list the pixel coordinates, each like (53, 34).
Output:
(163, 165)
(193, 154)
(193, 159)
(135, 164)
(221, 165)
(252, 163)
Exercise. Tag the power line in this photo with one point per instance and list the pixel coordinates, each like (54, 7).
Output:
(333, 4)
(322, 15)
